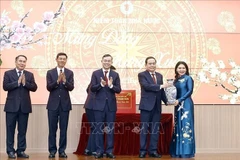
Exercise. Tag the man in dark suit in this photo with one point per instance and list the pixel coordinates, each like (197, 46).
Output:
(105, 83)
(152, 94)
(18, 83)
(88, 105)
(59, 82)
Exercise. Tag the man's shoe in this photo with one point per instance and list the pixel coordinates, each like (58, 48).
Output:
(62, 155)
(99, 155)
(87, 153)
(51, 155)
(142, 155)
(110, 155)
(22, 155)
(11, 155)
(155, 155)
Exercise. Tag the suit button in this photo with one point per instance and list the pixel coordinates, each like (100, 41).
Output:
(59, 96)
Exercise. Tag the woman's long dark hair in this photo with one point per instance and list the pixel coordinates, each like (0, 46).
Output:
(176, 73)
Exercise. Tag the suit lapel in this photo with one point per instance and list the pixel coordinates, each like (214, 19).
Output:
(149, 77)
(55, 73)
(101, 73)
(110, 74)
(66, 72)
(25, 73)
(15, 75)
(158, 78)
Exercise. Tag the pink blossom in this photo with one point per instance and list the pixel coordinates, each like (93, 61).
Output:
(40, 43)
(63, 9)
(23, 39)
(48, 16)
(3, 43)
(8, 45)
(45, 36)
(29, 37)
(15, 38)
(28, 30)
(4, 20)
(16, 24)
(39, 27)
(20, 31)
(18, 48)
(21, 36)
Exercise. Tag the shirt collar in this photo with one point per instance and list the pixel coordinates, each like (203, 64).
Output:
(58, 69)
(152, 73)
(105, 70)
(19, 70)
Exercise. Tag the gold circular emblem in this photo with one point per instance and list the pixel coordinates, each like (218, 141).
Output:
(129, 31)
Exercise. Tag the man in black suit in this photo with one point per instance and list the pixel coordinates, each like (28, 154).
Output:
(88, 105)
(18, 83)
(152, 93)
(59, 82)
(105, 82)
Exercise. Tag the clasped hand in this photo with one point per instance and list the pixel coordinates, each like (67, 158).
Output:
(22, 80)
(109, 83)
(61, 78)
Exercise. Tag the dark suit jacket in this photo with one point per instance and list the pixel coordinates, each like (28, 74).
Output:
(89, 103)
(59, 93)
(103, 93)
(18, 95)
(150, 92)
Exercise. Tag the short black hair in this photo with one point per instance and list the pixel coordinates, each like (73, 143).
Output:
(150, 57)
(61, 54)
(107, 55)
(20, 56)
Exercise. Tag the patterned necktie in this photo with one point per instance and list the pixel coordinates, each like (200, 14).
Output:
(154, 79)
(60, 74)
(19, 73)
(105, 77)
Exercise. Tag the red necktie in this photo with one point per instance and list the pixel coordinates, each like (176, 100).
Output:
(154, 79)
(105, 77)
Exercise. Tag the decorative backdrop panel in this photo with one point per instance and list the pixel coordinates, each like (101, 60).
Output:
(205, 34)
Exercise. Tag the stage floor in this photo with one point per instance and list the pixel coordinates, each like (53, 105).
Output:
(199, 156)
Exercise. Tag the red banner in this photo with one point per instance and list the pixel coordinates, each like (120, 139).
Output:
(126, 101)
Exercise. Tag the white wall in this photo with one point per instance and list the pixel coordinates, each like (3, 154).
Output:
(217, 128)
